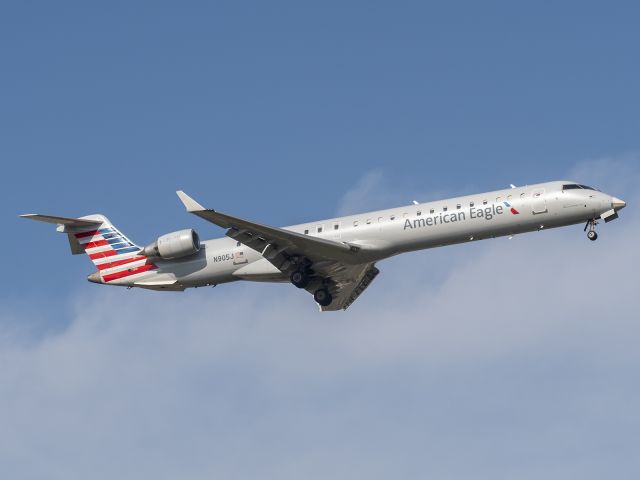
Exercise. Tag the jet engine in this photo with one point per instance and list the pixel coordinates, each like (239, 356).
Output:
(174, 245)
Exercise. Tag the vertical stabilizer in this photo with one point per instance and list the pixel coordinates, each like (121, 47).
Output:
(114, 255)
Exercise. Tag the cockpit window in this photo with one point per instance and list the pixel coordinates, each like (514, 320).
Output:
(573, 186)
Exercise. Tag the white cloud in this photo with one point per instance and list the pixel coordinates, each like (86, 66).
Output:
(361, 196)
(499, 359)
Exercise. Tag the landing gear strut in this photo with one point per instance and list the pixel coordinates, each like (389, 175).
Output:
(322, 297)
(591, 234)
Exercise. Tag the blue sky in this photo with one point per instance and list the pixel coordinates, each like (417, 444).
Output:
(284, 112)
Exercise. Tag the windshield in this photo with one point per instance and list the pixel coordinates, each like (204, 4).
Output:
(575, 186)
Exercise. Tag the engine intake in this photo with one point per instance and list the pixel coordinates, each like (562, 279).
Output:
(174, 245)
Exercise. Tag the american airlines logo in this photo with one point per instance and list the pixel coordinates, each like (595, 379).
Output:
(486, 213)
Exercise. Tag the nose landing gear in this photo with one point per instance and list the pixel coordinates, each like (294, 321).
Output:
(591, 234)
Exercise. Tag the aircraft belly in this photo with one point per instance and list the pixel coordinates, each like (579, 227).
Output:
(261, 270)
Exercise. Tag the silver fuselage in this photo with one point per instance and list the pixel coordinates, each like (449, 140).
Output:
(385, 233)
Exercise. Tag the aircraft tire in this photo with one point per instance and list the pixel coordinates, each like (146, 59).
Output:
(592, 235)
(322, 297)
(299, 278)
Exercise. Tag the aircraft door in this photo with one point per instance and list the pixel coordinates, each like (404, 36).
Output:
(538, 201)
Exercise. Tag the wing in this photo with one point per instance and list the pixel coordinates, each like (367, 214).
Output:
(339, 265)
(347, 283)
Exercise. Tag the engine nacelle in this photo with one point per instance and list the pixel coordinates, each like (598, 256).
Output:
(174, 245)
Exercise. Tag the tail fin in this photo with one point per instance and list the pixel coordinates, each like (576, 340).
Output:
(113, 254)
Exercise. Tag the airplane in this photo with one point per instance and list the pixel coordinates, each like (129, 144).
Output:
(334, 259)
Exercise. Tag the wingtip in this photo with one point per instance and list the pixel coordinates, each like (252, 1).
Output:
(190, 204)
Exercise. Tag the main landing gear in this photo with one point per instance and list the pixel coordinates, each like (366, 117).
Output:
(322, 297)
(591, 234)
(300, 278)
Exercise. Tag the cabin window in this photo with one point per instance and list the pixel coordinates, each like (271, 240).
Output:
(392, 217)
(431, 211)
(471, 204)
(458, 206)
(444, 209)
(336, 226)
(484, 202)
(418, 213)
(306, 231)
(319, 229)
(522, 195)
(355, 223)
(368, 221)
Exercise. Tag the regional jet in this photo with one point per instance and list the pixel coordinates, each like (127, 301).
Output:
(335, 259)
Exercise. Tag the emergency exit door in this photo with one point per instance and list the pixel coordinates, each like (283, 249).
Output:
(538, 201)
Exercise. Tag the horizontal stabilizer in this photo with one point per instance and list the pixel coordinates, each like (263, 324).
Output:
(69, 222)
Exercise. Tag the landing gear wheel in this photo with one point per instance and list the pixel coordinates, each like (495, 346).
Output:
(299, 278)
(591, 234)
(322, 297)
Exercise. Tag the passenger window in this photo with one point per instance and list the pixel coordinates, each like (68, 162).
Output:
(458, 206)
(444, 209)
(336, 226)
(484, 202)
(418, 213)
(471, 204)
(522, 195)
(355, 223)
(319, 229)
(306, 231)
(431, 211)
(368, 221)
(392, 217)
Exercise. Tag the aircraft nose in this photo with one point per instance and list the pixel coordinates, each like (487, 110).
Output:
(617, 204)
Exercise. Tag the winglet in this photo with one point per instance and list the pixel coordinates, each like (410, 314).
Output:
(190, 204)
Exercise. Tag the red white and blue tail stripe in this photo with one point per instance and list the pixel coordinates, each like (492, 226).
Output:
(114, 255)
(117, 258)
